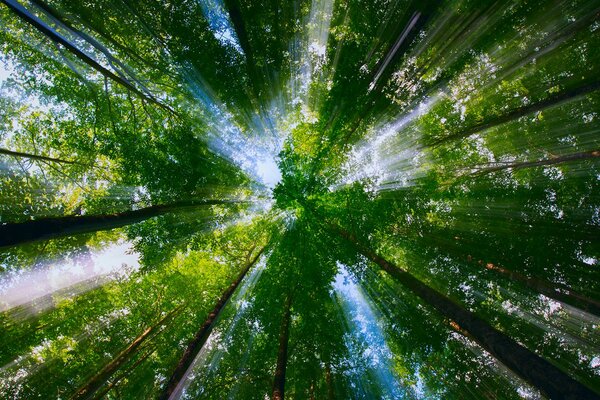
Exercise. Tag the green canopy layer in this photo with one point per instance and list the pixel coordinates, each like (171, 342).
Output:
(238, 199)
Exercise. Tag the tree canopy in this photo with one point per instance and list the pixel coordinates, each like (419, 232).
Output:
(349, 199)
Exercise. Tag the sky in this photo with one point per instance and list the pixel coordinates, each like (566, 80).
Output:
(4, 71)
(268, 172)
(21, 287)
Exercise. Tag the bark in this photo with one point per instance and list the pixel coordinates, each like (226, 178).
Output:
(100, 394)
(13, 234)
(383, 73)
(586, 155)
(329, 383)
(34, 156)
(550, 380)
(282, 353)
(114, 62)
(59, 17)
(239, 25)
(551, 101)
(57, 38)
(97, 381)
(203, 333)
(548, 289)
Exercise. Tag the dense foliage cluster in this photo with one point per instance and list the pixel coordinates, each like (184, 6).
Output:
(361, 199)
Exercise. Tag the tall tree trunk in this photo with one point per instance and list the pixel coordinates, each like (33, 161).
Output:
(13, 234)
(34, 156)
(551, 101)
(59, 17)
(586, 155)
(203, 333)
(95, 382)
(550, 380)
(282, 353)
(114, 62)
(548, 289)
(108, 387)
(329, 383)
(56, 37)
(239, 25)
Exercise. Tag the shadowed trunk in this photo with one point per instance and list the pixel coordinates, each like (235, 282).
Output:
(548, 289)
(95, 382)
(586, 155)
(239, 25)
(34, 156)
(329, 383)
(282, 353)
(550, 380)
(60, 18)
(100, 394)
(13, 234)
(56, 37)
(519, 112)
(114, 62)
(203, 333)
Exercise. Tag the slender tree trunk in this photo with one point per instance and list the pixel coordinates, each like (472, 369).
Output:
(239, 25)
(586, 155)
(61, 18)
(282, 353)
(34, 156)
(123, 70)
(13, 234)
(56, 37)
(95, 382)
(550, 290)
(519, 112)
(550, 380)
(329, 383)
(100, 394)
(203, 333)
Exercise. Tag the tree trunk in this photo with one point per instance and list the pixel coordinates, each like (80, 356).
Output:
(62, 19)
(100, 394)
(13, 234)
(34, 156)
(551, 101)
(239, 25)
(311, 390)
(203, 333)
(550, 380)
(59, 20)
(95, 382)
(548, 289)
(282, 353)
(329, 383)
(56, 37)
(586, 155)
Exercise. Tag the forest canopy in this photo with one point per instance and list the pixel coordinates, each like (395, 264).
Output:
(349, 199)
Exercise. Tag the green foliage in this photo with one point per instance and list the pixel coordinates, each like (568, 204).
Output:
(456, 139)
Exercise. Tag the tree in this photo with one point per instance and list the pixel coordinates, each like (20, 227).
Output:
(549, 379)
(431, 231)
(50, 228)
(282, 351)
(96, 381)
(202, 334)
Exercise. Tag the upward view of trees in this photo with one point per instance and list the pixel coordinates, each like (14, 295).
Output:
(325, 199)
